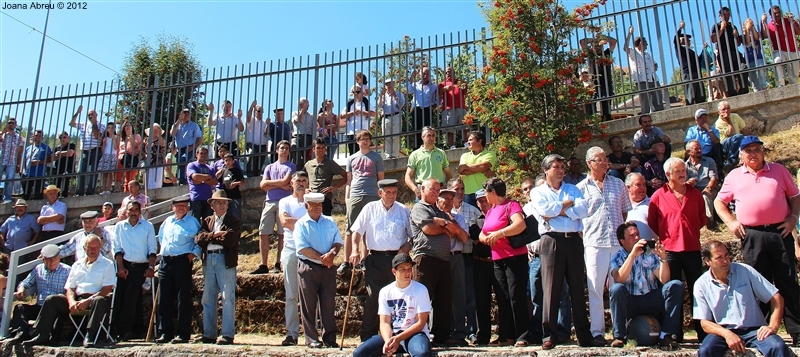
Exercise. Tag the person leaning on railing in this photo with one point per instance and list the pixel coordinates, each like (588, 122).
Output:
(256, 139)
(188, 137)
(12, 146)
(64, 163)
(91, 133)
(782, 32)
(227, 126)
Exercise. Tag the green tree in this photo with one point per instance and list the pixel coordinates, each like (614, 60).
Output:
(529, 94)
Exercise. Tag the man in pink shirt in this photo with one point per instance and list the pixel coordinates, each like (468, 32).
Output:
(767, 206)
(782, 32)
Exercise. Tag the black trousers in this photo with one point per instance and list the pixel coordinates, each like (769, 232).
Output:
(56, 308)
(773, 256)
(434, 273)
(258, 156)
(512, 302)
(175, 277)
(33, 188)
(485, 281)
(730, 64)
(47, 235)
(200, 209)
(690, 266)
(128, 292)
(63, 176)
(300, 146)
(562, 256)
(422, 117)
(23, 313)
(377, 273)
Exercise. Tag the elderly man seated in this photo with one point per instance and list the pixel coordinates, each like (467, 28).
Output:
(701, 172)
(88, 285)
(44, 280)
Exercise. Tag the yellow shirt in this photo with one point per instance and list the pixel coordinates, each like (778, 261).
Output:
(474, 182)
(723, 127)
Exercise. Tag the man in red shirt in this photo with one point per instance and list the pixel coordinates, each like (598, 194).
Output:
(451, 98)
(782, 33)
(676, 214)
(767, 207)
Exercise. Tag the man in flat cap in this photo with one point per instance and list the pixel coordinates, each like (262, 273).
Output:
(20, 229)
(219, 239)
(75, 244)
(178, 250)
(404, 309)
(53, 215)
(318, 242)
(45, 280)
(386, 229)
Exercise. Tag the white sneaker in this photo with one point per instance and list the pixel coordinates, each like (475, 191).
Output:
(452, 147)
(105, 193)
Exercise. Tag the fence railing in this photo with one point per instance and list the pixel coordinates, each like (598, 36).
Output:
(329, 77)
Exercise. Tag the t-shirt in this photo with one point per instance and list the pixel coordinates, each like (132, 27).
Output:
(230, 176)
(499, 217)
(295, 209)
(437, 246)
(65, 163)
(641, 140)
(276, 171)
(403, 305)
(364, 169)
(36, 152)
(320, 174)
(473, 182)
(625, 159)
(199, 192)
(737, 122)
(428, 163)
(357, 122)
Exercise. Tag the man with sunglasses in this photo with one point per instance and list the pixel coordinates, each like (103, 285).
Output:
(64, 159)
(12, 146)
(91, 133)
(424, 100)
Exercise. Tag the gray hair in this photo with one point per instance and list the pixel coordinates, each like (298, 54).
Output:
(670, 163)
(550, 159)
(454, 181)
(723, 103)
(630, 177)
(594, 150)
(686, 147)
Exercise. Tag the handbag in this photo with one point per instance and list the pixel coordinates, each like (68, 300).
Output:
(528, 235)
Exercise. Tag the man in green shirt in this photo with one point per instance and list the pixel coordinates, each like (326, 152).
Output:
(321, 171)
(426, 162)
(476, 165)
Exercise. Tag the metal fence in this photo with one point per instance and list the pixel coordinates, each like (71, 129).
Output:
(330, 77)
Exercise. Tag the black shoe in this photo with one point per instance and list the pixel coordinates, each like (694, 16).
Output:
(180, 339)
(598, 341)
(276, 269)
(344, 268)
(315, 344)
(38, 340)
(668, 343)
(163, 339)
(262, 269)
(17, 338)
(456, 342)
(224, 340)
(331, 345)
(88, 342)
(289, 341)
(205, 339)
(796, 340)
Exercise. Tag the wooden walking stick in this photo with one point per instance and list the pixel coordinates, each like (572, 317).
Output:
(347, 306)
(150, 331)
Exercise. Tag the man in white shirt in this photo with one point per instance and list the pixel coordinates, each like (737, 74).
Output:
(227, 126)
(256, 139)
(392, 101)
(643, 72)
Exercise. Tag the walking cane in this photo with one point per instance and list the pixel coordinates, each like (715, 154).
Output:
(148, 338)
(347, 306)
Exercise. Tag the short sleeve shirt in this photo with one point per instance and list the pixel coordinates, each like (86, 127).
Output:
(364, 169)
(437, 246)
(57, 207)
(199, 192)
(703, 136)
(642, 140)
(188, 134)
(18, 231)
(276, 171)
(10, 144)
(295, 209)
(88, 141)
(722, 126)
(497, 218)
(404, 305)
(473, 182)
(428, 163)
(642, 278)
(383, 229)
(227, 128)
(320, 174)
(735, 305)
(704, 172)
(761, 198)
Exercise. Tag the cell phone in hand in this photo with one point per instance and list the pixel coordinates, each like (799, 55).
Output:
(651, 244)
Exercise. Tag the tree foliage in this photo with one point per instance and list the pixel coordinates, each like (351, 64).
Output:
(529, 94)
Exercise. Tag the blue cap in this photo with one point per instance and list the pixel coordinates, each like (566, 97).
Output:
(480, 193)
(750, 139)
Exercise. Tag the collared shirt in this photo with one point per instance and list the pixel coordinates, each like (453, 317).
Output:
(90, 279)
(18, 231)
(276, 171)
(391, 105)
(644, 273)
(141, 198)
(75, 246)
(280, 131)
(217, 227)
(642, 69)
(573, 180)
(46, 282)
(136, 243)
(655, 169)
(638, 215)
(642, 140)
(735, 305)
(307, 127)
(357, 122)
(437, 246)
(176, 236)
(254, 132)
(703, 172)
(473, 182)
(471, 214)
(187, 134)
(383, 229)
(455, 97)
(199, 192)
(677, 223)
(428, 163)
(9, 144)
(760, 197)
(296, 209)
(319, 235)
(36, 152)
(605, 211)
(548, 202)
(88, 141)
(227, 128)
(702, 135)
(424, 94)
(320, 174)
(455, 244)
(722, 126)
(57, 207)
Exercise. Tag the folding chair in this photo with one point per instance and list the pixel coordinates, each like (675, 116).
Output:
(105, 322)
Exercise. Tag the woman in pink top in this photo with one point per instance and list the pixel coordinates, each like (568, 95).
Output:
(503, 220)
(130, 145)
(328, 127)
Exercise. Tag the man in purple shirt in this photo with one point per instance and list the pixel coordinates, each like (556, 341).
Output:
(277, 182)
(202, 180)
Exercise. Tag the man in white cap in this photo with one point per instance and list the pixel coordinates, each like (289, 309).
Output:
(75, 244)
(44, 280)
(391, 101)
(20, 229)
(706, 134)
(219, 239)
(53, 215)
(291, 209)
(318, 242)
(107, 212)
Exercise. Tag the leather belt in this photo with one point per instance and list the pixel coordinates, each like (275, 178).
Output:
(390, 115)
(138, 264)
(386, 253)
(765, 227)
(456, 252)
(563, 234)
(216, 251)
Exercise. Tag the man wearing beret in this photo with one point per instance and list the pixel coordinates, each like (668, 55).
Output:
(178, 250)
(219, 239)
(385, 227)
(318, 241)
(75, 244)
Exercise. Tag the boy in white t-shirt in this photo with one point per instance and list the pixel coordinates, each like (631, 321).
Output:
(404, 310)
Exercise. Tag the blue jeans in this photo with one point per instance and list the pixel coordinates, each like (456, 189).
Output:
(235, 208)
(417, 346)
(217, 278)
(772, 346)
(333, 146)
(7, 173)
(667, 302)
(184, 156)
(564, 310)
(88, 163)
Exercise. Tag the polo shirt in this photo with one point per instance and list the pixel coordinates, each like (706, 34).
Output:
(90, 279)
(280, 131)
(18, 231)
(778, 36)
(436, 246)
(57, 207)
(677, 224)
(319, 235)
(36, 152)
(701, 135)
(455, 97)
(176, 236)
(227, 128)
(624, 159)
(704, 172)
(383, 229)
(760, 197)
(722, 126)
(735, 305)
(428, 163)
(474, 182)
(136, 243)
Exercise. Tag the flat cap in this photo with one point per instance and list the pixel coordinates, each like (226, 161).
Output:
(49, 251)
(89, 214)
(446, 190)
(181, 199)
(387, 182)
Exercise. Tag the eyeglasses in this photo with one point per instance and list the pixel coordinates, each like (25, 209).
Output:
(357, 91)
(756, 150)
(605, 159)
(259, 111)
